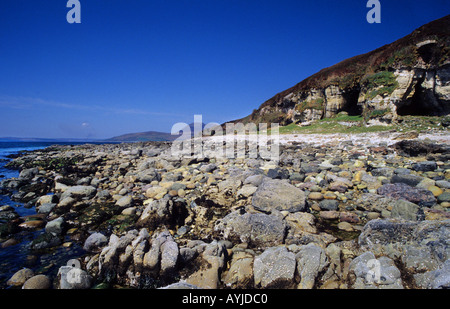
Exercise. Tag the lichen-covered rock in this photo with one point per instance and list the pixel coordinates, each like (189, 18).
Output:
(278, 195)
(258, 229)
(274, 268)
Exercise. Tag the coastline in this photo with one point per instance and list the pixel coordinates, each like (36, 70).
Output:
(135, 216)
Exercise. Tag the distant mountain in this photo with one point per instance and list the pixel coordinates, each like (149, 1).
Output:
(150, 136)
(44, 140)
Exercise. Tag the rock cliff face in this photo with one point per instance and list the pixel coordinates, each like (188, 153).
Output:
(410, 76)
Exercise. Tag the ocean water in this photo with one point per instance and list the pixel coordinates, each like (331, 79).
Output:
(18, 256)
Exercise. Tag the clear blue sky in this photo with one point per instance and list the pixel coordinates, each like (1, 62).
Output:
(141, 65)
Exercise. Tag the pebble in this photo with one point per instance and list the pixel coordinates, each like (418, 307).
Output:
(373, 215)
(32, 224)
(444, 197)
(435, 190)
(345, 226)
(316, 196)
(333, 179)
(329, 214)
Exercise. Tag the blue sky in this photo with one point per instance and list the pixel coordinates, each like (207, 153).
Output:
(141, 65)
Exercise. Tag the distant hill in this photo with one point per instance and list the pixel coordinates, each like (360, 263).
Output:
(150, 136)
(45, 140)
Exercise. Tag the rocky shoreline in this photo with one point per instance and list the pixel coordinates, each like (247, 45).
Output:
(355, 212)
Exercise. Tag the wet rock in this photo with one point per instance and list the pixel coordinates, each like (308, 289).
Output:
(55, 227)
(19, 278)
(95, 242)
(38, 282)
(44, 241)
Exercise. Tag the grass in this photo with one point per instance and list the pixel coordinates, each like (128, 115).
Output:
(383, 82)
(338, 125)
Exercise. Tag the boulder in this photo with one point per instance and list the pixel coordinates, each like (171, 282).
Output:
(211, 263)
(421, 245)
(426, 166)
(274, 268)
(95, 242)
(55, 226)
(38, 282)
(368, 272)
(311, 260)
(20, 277)
(257, 229)
(240, 274)
(419, 196)
(79, 192)
(29, 173)
(407, 210)
(73, 278)
(278, 195)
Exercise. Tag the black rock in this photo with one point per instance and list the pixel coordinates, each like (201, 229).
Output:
(426, 166)
(329, 204)
(278, 173)
(410, 180)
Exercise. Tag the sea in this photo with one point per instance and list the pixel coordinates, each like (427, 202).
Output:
(18, 256)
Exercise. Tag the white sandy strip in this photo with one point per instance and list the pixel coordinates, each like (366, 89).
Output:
(361, 139)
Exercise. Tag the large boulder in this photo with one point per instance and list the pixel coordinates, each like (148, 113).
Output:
(279, 195)
(311, 260)
(259, 230)
(274, 268)
(79, 192)
(420, 245)
(211, 263)
(95, 242)
(165, 211)
(367, 272)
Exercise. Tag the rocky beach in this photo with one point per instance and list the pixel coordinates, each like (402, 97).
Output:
(342, 211)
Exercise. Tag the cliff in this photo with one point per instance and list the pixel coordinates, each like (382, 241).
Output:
(410, 76)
